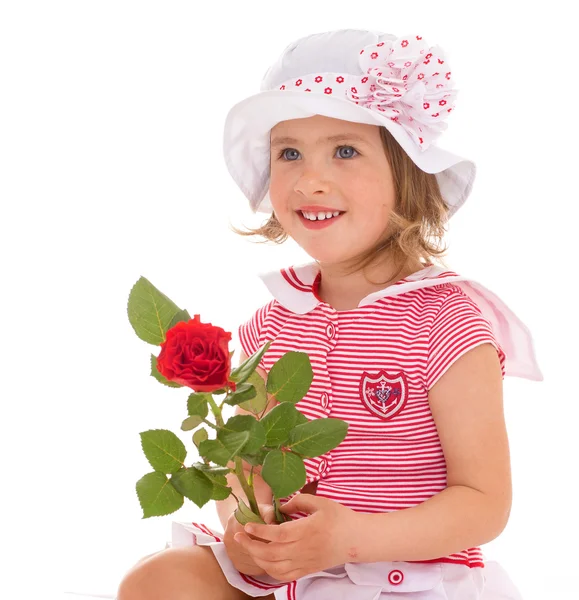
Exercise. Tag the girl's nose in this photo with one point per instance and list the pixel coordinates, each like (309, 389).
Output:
(312, 182)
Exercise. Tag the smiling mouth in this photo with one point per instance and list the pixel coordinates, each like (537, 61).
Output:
(315, 224)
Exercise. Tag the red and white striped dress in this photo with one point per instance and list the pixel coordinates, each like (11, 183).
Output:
(373, 367)
(395, 460)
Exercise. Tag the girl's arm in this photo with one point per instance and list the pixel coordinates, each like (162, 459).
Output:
(467, 407)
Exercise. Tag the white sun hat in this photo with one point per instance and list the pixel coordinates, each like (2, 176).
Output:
(403, 84)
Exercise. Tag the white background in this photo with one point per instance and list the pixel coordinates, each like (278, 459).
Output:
(111, 167)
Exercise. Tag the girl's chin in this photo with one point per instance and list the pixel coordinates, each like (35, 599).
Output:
(324, 257)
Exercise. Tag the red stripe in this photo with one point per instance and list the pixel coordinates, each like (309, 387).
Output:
(295, 282)
(260, 584)
(204, 529)
(298, 280)
(469, 563)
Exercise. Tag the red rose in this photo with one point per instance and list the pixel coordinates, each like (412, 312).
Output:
(197, 355)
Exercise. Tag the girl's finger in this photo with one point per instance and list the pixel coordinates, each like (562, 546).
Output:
(269, 553)
(254, 548)
(283, 571)
(286, 532)
(269, 516)
(244, 540)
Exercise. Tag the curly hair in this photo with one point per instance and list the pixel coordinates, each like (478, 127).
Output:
(416, 225)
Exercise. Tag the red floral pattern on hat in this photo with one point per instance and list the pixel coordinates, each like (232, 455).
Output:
(398, 81)
(400, 76)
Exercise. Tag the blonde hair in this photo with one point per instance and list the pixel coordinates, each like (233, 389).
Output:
(416, 225)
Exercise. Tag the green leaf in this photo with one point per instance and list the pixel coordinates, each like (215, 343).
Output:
(193, 485)
(161, 378)
(191, 422)
(220, 479)
(211, 470)
(241, 373)
(182, 315)
(301, 418)
(244, 391)
(220, 391)
(199, 436)
(150, 312)
(221, 489)
(290, 377)
(258, 403)
(220, 492)
(222, 449)
(318, 436)
(250, 424)
(198, 404)
(163, 449)
(278, 423)
(156, 496)
(244, 514)
(284, 472)
(255, 459)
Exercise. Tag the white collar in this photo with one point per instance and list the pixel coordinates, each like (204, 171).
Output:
(293, 288)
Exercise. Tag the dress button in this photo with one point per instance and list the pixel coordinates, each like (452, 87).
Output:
(330, 330)
(325, 400)
(395, 577)
(322, 467)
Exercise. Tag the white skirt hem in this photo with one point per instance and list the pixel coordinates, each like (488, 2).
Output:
(360, 581)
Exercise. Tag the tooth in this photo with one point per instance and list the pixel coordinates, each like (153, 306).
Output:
(319, 216)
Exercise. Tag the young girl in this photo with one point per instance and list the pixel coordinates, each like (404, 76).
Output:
(339, 150)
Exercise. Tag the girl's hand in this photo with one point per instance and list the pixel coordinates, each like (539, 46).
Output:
(297, 548)
(240, 558)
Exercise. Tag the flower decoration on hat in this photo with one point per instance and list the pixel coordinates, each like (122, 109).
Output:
(405, 80)
(408, 81)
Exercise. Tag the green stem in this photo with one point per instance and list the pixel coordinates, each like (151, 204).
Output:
(264, 410)
(282, 517)
(279, 516)
(216, 411)
(245, 486)
(209, 423)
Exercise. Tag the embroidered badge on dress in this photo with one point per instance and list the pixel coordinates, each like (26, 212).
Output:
(384, 395)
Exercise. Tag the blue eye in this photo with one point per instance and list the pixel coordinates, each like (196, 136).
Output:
(282, 153)
(349, 147)
(338, 148)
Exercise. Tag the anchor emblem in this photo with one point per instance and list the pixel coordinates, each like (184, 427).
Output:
(384, 395)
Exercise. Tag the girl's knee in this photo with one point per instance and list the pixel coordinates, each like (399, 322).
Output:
(148, 556)
(155, 575)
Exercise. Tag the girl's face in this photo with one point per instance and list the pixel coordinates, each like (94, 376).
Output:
(350, 174)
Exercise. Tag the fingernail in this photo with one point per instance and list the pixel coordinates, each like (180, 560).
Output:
(249, 529)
